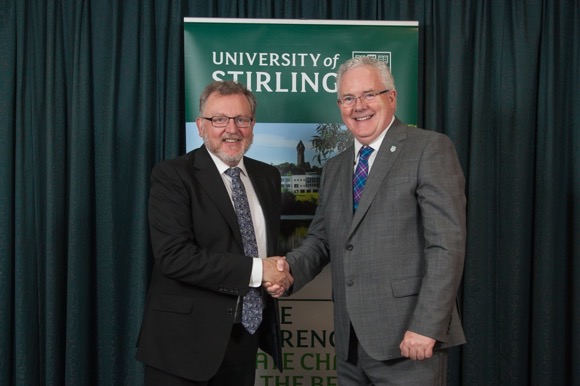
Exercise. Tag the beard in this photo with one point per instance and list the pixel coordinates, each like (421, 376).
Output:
(229, 158)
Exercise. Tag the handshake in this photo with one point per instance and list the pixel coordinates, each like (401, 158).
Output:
(276, 277)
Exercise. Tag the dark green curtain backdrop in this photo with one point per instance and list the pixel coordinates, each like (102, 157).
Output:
(91, 98)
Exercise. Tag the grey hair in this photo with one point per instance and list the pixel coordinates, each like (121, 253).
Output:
(386, 76)
(227, 87)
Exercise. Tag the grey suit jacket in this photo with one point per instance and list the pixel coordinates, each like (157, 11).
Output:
(397, 262)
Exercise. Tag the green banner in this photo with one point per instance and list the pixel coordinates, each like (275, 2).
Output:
(290, 66)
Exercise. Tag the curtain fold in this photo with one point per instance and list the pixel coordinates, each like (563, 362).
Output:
(91, 97)
(554, 300)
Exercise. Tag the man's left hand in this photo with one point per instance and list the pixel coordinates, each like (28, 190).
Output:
(417, 347)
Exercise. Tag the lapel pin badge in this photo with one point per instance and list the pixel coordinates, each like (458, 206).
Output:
(393, 148)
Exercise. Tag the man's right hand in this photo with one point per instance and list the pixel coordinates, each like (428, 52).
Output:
(276, 277)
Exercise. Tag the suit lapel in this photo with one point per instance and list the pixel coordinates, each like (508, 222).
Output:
(388, 153)
(346, 171)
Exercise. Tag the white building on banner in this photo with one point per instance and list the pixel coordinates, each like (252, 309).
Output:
(303, 183)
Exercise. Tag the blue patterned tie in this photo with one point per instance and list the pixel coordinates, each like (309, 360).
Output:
(360, 175)
(252, 306)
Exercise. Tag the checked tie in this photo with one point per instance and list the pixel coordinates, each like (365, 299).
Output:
(360, 175)
(252, 305)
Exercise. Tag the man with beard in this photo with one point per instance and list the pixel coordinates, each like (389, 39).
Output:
(214, 217)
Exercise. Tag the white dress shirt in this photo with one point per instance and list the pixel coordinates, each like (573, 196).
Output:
(258, 219)
(376, 144)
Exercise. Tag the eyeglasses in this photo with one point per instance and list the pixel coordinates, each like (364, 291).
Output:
(349, 100)
(222, 121)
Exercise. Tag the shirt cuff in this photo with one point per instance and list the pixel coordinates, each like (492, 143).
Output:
(256, 278)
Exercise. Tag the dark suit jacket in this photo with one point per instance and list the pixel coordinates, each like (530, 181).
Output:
(200, 268)
(397, 262)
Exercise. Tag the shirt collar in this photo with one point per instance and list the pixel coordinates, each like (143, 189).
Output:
(376, 143)
(222, 167)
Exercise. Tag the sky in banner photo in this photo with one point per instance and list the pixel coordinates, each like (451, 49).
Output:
(274, 143)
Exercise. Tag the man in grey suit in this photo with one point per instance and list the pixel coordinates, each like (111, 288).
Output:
(397, 249)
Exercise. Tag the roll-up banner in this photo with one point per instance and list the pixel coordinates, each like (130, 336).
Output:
(291, 66)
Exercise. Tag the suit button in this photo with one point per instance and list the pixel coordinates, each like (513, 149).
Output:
(349, 283)
(229, 311)
(349, 247)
